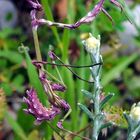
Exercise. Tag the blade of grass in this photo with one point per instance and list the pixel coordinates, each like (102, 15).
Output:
(118, 69)
(129, 14)
(16, 57)
(66, 42)
(70, 96)
(15, 126)
(49, 16)
(86, 111)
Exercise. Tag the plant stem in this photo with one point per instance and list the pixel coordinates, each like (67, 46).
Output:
(132, 135)
(93, 47)
(36, 43)
(97, 91)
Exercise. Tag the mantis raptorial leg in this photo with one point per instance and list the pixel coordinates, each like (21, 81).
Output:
(66, 115)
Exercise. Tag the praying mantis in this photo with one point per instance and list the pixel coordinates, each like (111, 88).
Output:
(53, 98)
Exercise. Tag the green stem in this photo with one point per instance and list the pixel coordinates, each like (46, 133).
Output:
(36, 43)
(96, 74)
(132, 135)
(97, 88)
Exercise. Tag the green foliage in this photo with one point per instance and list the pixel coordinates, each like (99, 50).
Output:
(67, 45)
(87, 94)
(133, 127)
(12, 56)
(34, 135)
(15, 126)
(115, 71)
(106, 99)
(86, 110)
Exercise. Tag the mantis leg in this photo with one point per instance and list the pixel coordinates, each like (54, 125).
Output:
(117, 4)
(59, 124)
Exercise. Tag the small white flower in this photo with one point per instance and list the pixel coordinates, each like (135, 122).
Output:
(135, 112)
(92, 43)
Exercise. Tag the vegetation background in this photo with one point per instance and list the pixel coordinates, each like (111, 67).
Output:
(121, 70)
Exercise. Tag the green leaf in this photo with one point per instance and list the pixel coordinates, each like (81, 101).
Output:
(25, 119)
(15, 126)
(3, 63)
(34, 135)
(86, 110)
(128, 13)
(56, 136)
(137, 130)
(17, 83)
(106, 99)
(68, 80)
(87, 94)
(118, 69)
(7, 89)
(49, 16)
(106, 125)
(112, 88)
(131, 122)
(12, 56)
(18, 80)
(81, 72)
(6, 32)
(65, 41)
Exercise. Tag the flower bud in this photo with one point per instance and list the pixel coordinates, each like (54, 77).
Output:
(135, 112)
(92, 46)
(91, 43)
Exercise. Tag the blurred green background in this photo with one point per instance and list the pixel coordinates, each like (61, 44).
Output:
(121, 69)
